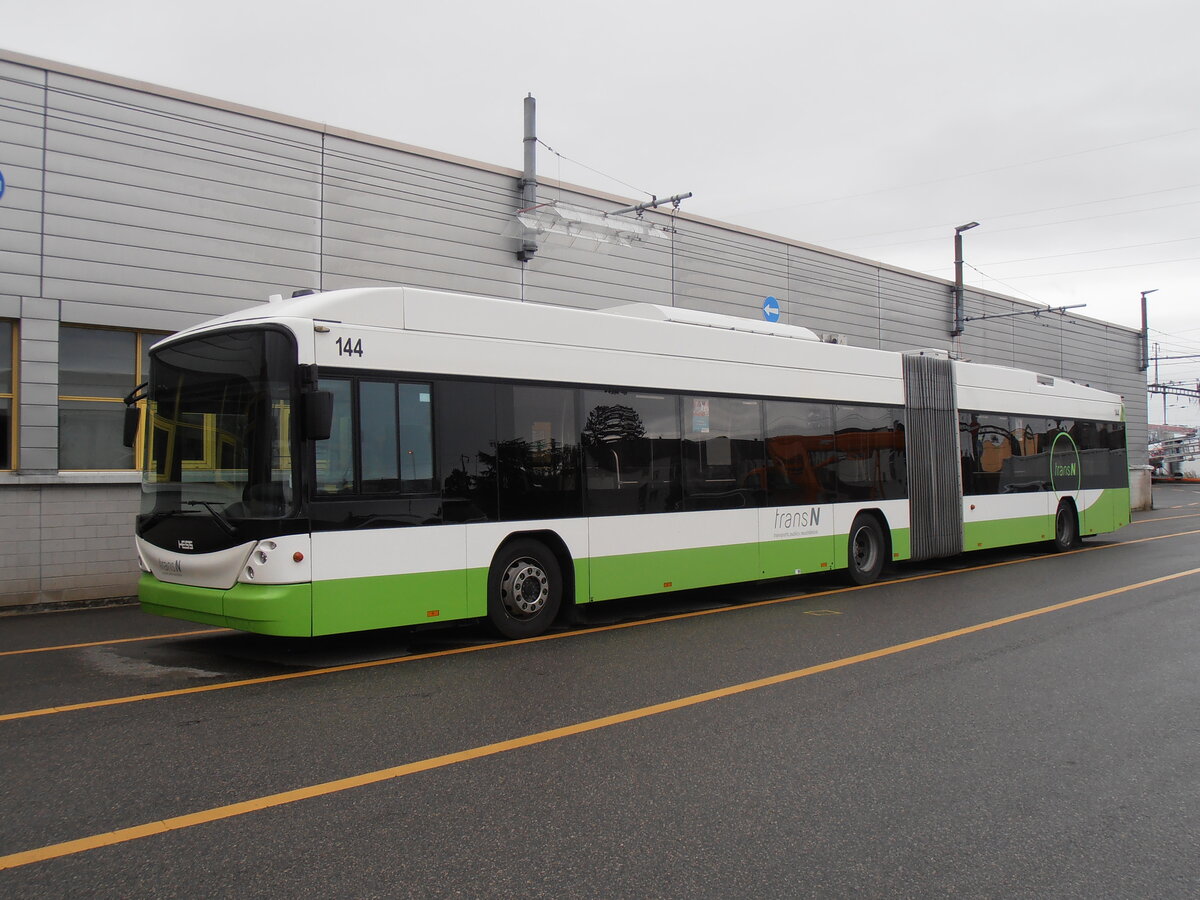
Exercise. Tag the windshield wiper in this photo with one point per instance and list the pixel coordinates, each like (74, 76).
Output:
(154, 517)
(209, 506)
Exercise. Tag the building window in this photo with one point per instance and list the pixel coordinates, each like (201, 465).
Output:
(8, 338)
(97, 368)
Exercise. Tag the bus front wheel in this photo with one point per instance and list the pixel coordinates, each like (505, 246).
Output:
(865, 550)
(525, 588)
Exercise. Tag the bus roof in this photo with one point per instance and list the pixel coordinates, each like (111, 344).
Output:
(643, 331)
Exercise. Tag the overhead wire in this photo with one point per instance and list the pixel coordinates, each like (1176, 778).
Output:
(1037, 225)
(593, 170)
(1009, 286)
(1004, 262)
(277, 154)
(1157, 262)
(992, 217)
(988, 171)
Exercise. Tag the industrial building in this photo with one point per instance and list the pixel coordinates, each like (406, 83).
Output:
(129, 211)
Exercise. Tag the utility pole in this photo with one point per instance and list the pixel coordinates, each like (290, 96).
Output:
(1156, 381)
(959, 320)
(1145, 360)
(528, 183)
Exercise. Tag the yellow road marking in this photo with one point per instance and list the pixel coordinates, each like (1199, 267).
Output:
(216, 630)
(175, 823)
(350, 667)
(149, 637)
(1164, 518)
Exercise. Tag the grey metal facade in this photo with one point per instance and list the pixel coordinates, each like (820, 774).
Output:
(129, 206)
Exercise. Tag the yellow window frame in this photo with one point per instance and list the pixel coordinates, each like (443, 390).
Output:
(141, 340)
(11, 396)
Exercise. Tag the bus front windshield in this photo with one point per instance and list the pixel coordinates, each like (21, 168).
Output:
(221, 432)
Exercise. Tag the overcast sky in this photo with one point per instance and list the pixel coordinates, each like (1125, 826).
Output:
(1070, 129)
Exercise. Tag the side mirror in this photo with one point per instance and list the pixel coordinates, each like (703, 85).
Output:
(133, 419)
(318, 415)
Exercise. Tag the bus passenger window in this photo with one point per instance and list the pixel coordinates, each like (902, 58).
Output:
(871, 463)
(335, 456)
(377, 407)
(381, 441)
(800, 452)
(416, 438)
(723, 453)
(631, 453)
(538, 452)
(466, 429)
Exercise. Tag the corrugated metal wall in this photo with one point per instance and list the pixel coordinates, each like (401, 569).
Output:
(136, 207)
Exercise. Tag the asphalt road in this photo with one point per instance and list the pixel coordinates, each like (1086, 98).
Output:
(1010, 724)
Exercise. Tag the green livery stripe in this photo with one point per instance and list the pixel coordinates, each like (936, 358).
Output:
(387, 601)
(803, 555)
(1006, 532)
(631, 574)
(1108, 513)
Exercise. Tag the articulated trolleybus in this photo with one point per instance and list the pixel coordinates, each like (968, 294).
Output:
(379, 457)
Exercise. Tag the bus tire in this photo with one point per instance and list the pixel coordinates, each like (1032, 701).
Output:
(865, 550)
(1066, 527)
(525, 589)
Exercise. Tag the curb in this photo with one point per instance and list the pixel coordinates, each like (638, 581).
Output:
(48, 606)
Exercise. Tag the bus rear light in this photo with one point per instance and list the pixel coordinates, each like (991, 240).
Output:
(250, 572)
(297, 556)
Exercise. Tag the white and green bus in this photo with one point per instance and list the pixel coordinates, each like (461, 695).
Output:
(380, 457)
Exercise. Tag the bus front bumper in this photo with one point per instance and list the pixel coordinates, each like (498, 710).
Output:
(277, 609)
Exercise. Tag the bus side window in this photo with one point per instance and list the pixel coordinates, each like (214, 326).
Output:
(465, 420)
(988, 447)
(335, 468)
(723, 453)
(631, 452)
(800, 452)
(538, 452)
(416, 437)
(871, 462)
(378, 433)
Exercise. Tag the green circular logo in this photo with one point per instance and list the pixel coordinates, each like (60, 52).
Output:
(1065, 474)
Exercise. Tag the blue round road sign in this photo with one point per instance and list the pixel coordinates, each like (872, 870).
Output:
(770, 309)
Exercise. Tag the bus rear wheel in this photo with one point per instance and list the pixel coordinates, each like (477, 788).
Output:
(1066, 528)
(525, 588)
(865, 550)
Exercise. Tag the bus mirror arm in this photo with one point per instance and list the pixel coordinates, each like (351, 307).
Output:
(318, 415)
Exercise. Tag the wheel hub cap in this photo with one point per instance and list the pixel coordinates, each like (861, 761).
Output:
(524, 588)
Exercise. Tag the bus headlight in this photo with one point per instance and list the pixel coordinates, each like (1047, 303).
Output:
(281, 560)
